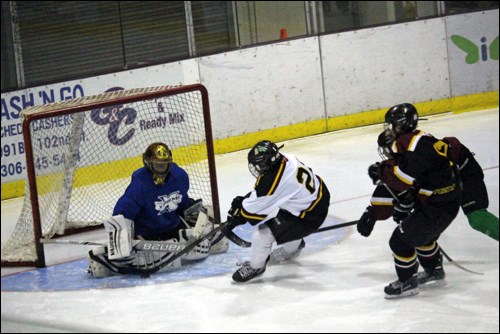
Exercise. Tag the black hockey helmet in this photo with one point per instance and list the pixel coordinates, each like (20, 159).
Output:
(385, 140)
(157, 160)
(401, 119)
(262, 156)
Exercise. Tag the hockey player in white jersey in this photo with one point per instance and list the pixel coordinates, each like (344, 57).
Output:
(288, 203)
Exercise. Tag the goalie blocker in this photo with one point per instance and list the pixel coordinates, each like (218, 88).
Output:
(121, 254)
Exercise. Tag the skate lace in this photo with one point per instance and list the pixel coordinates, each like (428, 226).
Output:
(396, 284)
(246, 269)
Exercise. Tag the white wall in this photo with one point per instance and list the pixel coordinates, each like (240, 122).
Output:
(299, 80)
(376, 68)
(263, 87)
(481, 76)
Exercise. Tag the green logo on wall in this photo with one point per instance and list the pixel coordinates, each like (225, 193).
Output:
(475, 52)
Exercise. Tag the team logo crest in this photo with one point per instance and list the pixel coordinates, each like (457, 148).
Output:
(168, 203)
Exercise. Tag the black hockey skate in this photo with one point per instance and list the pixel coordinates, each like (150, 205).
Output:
(432, 278)
(246, 272)
(398, 289)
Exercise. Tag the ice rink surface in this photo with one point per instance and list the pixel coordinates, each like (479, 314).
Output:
(335, 286)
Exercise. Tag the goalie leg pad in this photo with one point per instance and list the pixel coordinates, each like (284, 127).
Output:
(221, 246)
(120, 231)
(150, 260)
(101, 266)
(201, 251)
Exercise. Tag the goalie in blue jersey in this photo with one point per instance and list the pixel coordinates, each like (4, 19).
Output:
(155, 206)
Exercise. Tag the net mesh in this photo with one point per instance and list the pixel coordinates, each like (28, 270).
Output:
(83, 161)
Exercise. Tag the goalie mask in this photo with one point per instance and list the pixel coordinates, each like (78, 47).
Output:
(401, 119)
(157, 159)
(262, 157)
(385, 141)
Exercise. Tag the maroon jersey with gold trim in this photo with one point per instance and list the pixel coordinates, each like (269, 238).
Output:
(420, 158)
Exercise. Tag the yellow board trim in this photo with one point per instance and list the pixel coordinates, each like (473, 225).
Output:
(459, 104)
(100, 173)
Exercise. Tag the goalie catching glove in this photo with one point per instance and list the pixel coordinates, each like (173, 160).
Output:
(197, 217)
(190, 214)
(198, 220)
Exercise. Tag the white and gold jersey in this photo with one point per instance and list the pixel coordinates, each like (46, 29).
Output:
(288, 185)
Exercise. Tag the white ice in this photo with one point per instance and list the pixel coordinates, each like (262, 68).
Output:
(335, 289)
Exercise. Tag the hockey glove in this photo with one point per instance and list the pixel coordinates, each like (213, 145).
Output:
(237, 203)
(234, 215)
(374, 172)
(405, 204)
(366, 222)
(234, 218)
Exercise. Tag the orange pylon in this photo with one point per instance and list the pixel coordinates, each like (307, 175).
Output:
(283, 34)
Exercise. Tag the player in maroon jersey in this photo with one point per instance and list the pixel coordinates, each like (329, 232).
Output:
(427, 199)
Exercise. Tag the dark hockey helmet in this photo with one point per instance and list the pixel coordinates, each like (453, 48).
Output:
(385, 140)
(401, 119)
(262, 157)
(157, 160)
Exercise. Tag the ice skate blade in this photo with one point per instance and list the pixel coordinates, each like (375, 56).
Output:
(408, 293)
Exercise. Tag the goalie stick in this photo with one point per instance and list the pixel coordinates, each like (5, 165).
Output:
(142, 245)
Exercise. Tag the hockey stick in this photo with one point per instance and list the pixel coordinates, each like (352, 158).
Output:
(72, 242)
(457, 264)
(245, 244)
(333, 227)
(142, 245)
(234, 238)
(442, 251)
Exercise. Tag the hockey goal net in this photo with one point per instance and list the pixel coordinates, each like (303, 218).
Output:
(81, 153)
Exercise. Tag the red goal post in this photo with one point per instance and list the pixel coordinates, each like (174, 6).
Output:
(80, 154)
